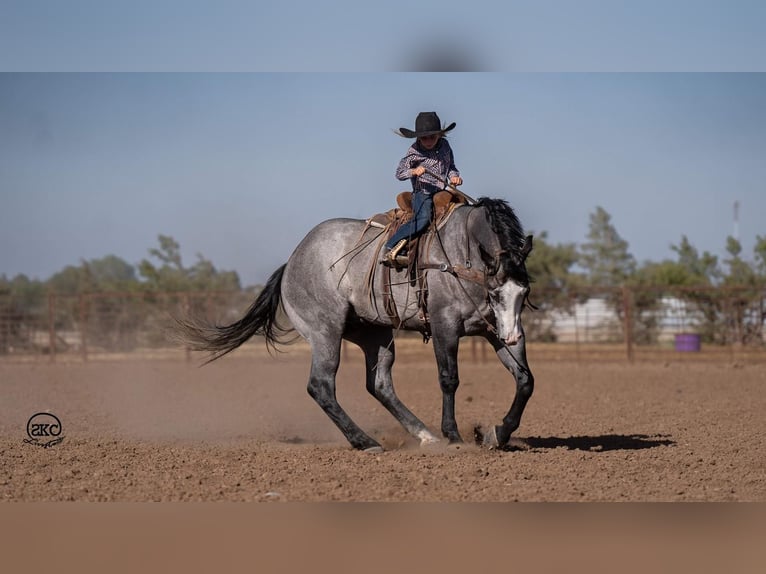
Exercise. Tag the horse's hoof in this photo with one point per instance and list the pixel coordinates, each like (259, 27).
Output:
(486, 439)
(426, 438)
(374, 449)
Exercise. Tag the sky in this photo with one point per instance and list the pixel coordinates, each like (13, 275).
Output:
(239, 167)
(395, 35)
(237, 126)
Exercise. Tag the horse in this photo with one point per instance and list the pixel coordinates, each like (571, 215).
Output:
(473, 281)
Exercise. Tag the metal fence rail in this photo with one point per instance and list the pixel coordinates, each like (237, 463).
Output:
(621, 324)
(99, 324)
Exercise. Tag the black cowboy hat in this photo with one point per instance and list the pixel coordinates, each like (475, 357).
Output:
(426, 124)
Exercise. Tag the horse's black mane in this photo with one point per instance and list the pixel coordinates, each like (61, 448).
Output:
(505, 225)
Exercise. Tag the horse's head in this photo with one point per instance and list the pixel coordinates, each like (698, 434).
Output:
(504, 250)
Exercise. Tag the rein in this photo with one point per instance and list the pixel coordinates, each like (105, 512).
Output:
(468, 273)
(465, 272)
(447, 185)
(459, 271)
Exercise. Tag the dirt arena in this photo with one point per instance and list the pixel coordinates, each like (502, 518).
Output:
(244, 429)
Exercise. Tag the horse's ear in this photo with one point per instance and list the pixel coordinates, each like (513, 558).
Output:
(526, 250)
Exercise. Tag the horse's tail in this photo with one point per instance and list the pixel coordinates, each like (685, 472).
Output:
(260, 319)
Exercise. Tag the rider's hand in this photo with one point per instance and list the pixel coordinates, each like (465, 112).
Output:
(456, 180)
(418, 171)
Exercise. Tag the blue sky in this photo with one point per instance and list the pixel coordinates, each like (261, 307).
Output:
(240, 166)
(353, 35)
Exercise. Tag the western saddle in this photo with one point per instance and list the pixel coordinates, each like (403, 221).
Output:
(445, 203)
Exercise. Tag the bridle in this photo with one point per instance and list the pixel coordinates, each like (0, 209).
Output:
(468, 272)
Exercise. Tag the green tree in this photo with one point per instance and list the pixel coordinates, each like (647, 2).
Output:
(663, 274)
(700, 269)
(23, 305)
(21, 287)
(702, 274)
(71, 280)
(171, 275)
(759, 250)
(607, 263)
(554, 284)
(111, 273)
(204, 276)
(550, 266)
(652, 284)
(742, 296)
(605, 256)
(726, 295)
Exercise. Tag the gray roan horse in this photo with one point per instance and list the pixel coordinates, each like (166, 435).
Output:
(330, 289)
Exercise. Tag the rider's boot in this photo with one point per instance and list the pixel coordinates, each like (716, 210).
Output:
(390, 257)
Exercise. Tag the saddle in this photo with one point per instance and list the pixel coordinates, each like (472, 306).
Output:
(444, 204)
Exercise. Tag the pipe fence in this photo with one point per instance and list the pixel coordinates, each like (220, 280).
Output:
(623, 324)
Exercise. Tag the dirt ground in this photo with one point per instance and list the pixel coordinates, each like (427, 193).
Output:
(244, 429)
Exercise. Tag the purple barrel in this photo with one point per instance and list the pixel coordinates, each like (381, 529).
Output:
(688, 342)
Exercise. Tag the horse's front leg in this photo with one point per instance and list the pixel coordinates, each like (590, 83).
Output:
(445, 348)
(515, 360)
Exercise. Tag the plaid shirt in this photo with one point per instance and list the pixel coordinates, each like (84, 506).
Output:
(438, 160)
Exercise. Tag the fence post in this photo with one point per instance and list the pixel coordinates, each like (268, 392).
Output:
(577, 328)
(627, 307)
(186, 306)
(52, 325)
(83, 307)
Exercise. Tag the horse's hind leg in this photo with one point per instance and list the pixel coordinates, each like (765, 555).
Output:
(378, 347)
(325, 358)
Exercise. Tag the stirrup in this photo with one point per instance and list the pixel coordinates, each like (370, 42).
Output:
(399, 262)
(391, 258)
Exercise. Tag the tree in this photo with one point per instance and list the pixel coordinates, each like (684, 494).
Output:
(742, 303)
(700, 269)
(111, 273)
(22, 309)
(554, 284)
(701, 273)
(71, 280)
(550, 265)
(172, 276)
(654, 287)
(727, 296)
(608, 264)
(21, 287)
(759, 250)
(605, 256)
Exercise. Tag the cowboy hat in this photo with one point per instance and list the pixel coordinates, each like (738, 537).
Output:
(426, 124)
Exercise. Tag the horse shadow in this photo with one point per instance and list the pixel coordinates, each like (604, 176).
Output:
(600, 443)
